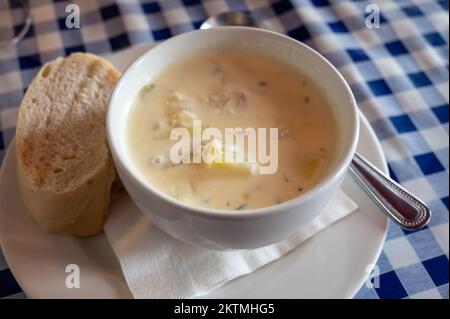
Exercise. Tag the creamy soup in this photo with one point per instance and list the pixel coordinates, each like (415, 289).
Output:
(231, 89)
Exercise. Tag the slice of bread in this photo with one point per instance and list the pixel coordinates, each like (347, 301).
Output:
(64, 166)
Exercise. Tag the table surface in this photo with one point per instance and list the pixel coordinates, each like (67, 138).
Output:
(398, 71)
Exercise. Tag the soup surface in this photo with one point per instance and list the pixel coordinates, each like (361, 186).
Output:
(231, 89)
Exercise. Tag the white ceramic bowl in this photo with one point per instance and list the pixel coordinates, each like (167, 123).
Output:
(218, 229)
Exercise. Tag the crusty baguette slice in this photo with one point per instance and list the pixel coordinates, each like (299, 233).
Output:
(64, 166)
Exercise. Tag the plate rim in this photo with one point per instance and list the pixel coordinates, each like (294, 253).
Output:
(385, 170)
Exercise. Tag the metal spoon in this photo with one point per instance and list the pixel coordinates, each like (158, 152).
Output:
(231, 19)
(394, 201)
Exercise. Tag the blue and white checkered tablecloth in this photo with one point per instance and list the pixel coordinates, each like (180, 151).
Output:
(398, 73)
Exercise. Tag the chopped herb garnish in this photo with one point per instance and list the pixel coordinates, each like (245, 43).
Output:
(146, 89)
(228, 203)
(300, 189)
(241, 207)
(285, 178)
(206, 200)
(216, 70)
(262, 83)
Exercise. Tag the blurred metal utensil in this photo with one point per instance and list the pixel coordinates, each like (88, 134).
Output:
(231, 19)
(394, 201)
(9, 36)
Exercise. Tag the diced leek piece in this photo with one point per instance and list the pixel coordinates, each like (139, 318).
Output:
(159, 161)
(146, 89)
(218, 100)
(312, 167)
(184, 192)
(184, 119)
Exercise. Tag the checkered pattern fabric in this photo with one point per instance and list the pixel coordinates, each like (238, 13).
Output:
(398, 73)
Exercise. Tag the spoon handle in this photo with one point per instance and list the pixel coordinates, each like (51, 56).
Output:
(396, 202)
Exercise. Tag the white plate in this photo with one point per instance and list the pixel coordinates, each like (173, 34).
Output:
(333, 264)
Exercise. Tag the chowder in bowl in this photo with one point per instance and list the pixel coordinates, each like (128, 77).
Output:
(232, 138)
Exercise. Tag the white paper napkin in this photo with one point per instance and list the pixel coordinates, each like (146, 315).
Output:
(156, 265)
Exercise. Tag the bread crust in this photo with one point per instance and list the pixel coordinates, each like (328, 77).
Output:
(80, 208)
(79, 212)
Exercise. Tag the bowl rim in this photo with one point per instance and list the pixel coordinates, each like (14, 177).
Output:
(339, 169)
